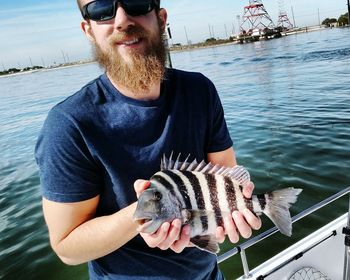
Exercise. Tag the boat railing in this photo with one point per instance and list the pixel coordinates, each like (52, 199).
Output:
(242, 247)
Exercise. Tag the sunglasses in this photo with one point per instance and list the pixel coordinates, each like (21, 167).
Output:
(103, 10)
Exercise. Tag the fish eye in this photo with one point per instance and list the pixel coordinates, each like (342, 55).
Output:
(157, 196)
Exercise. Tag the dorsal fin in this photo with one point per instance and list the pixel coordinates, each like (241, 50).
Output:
(239, 173)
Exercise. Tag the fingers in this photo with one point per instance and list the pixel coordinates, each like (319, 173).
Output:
(231, 229)
(220, 234)
(184, 241)
(169, 236)
(252, 220)
(140, 186)
(153, 240)
(241, 224)
(173, 235)
(248, 189)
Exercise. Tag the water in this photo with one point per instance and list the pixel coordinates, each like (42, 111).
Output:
(287, 106)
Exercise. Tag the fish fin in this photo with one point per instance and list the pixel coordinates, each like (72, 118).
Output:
(207, 243)
(238, 173)
(187, 216)
(277, 209)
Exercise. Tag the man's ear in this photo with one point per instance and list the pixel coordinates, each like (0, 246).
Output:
(86, 27)
(163, 16)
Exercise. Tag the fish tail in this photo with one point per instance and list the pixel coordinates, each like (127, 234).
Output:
(277, 204)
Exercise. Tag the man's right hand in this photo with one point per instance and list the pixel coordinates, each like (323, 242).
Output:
(169, 235)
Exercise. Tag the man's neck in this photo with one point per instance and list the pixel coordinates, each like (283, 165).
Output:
(152, 93)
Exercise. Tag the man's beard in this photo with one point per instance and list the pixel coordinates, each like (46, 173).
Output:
(142, 70)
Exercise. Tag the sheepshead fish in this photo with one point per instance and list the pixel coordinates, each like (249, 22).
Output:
(201, 195)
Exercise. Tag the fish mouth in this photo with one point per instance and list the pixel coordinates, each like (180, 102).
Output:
(148, 225)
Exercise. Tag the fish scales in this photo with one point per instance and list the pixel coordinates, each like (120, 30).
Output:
(198, 196)
(240, 200)
(249, 204)
(162, 181)
(191, 186)
(181, 187)
(230, 195)
(187, 195)
(203, 182)
(222, 196)
(262, 201)
(168, 183)
(201, 195)
(201, 221)
(213, 191)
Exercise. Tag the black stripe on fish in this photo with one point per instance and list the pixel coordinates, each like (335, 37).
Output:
(230, 194)
(161, 180)
(249, 204)
(198, 195)
(262, 201)
(211, 181)
(182, 188)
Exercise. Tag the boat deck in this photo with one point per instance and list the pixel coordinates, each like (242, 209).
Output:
(322, 250)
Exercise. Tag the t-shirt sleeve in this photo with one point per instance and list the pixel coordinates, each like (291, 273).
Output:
(68, 172)
(219, 136)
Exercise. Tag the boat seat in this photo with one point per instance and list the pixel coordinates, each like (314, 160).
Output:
(308, 273)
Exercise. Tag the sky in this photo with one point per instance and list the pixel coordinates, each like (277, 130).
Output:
(38, 32)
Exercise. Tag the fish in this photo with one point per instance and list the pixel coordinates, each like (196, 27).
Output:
(201, 195)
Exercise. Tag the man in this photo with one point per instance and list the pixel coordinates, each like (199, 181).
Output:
(97, 143)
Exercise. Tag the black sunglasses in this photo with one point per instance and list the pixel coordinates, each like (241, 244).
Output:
(103, 10)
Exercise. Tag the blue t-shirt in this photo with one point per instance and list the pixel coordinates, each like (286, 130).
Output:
(98, 142)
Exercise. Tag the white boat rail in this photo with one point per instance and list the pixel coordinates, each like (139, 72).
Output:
(242, 247)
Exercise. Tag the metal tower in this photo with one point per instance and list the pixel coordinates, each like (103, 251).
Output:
(283, 20)
(256, 17)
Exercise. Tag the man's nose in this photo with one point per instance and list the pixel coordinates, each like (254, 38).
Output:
(122, 20)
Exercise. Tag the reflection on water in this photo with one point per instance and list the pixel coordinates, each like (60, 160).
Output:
(287, 106)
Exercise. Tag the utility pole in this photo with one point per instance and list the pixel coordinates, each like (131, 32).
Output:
(293, 18)
(169, 34)
(64, 57)
(42, 61)
(238, 17)
(211, 36)
(168, 37)
(348, 12)
(188, 43)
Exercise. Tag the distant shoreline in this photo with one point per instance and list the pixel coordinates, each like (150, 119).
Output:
(73, 64)
(218, 43)
(227, 42)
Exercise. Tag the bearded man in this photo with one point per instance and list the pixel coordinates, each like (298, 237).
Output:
(96, 144)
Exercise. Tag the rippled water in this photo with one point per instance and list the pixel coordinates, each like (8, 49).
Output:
(287, 105)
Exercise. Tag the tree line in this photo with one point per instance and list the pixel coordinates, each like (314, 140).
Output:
(16, 70)
(342, 20)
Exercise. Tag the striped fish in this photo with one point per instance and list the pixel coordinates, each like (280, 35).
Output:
(201, 194)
